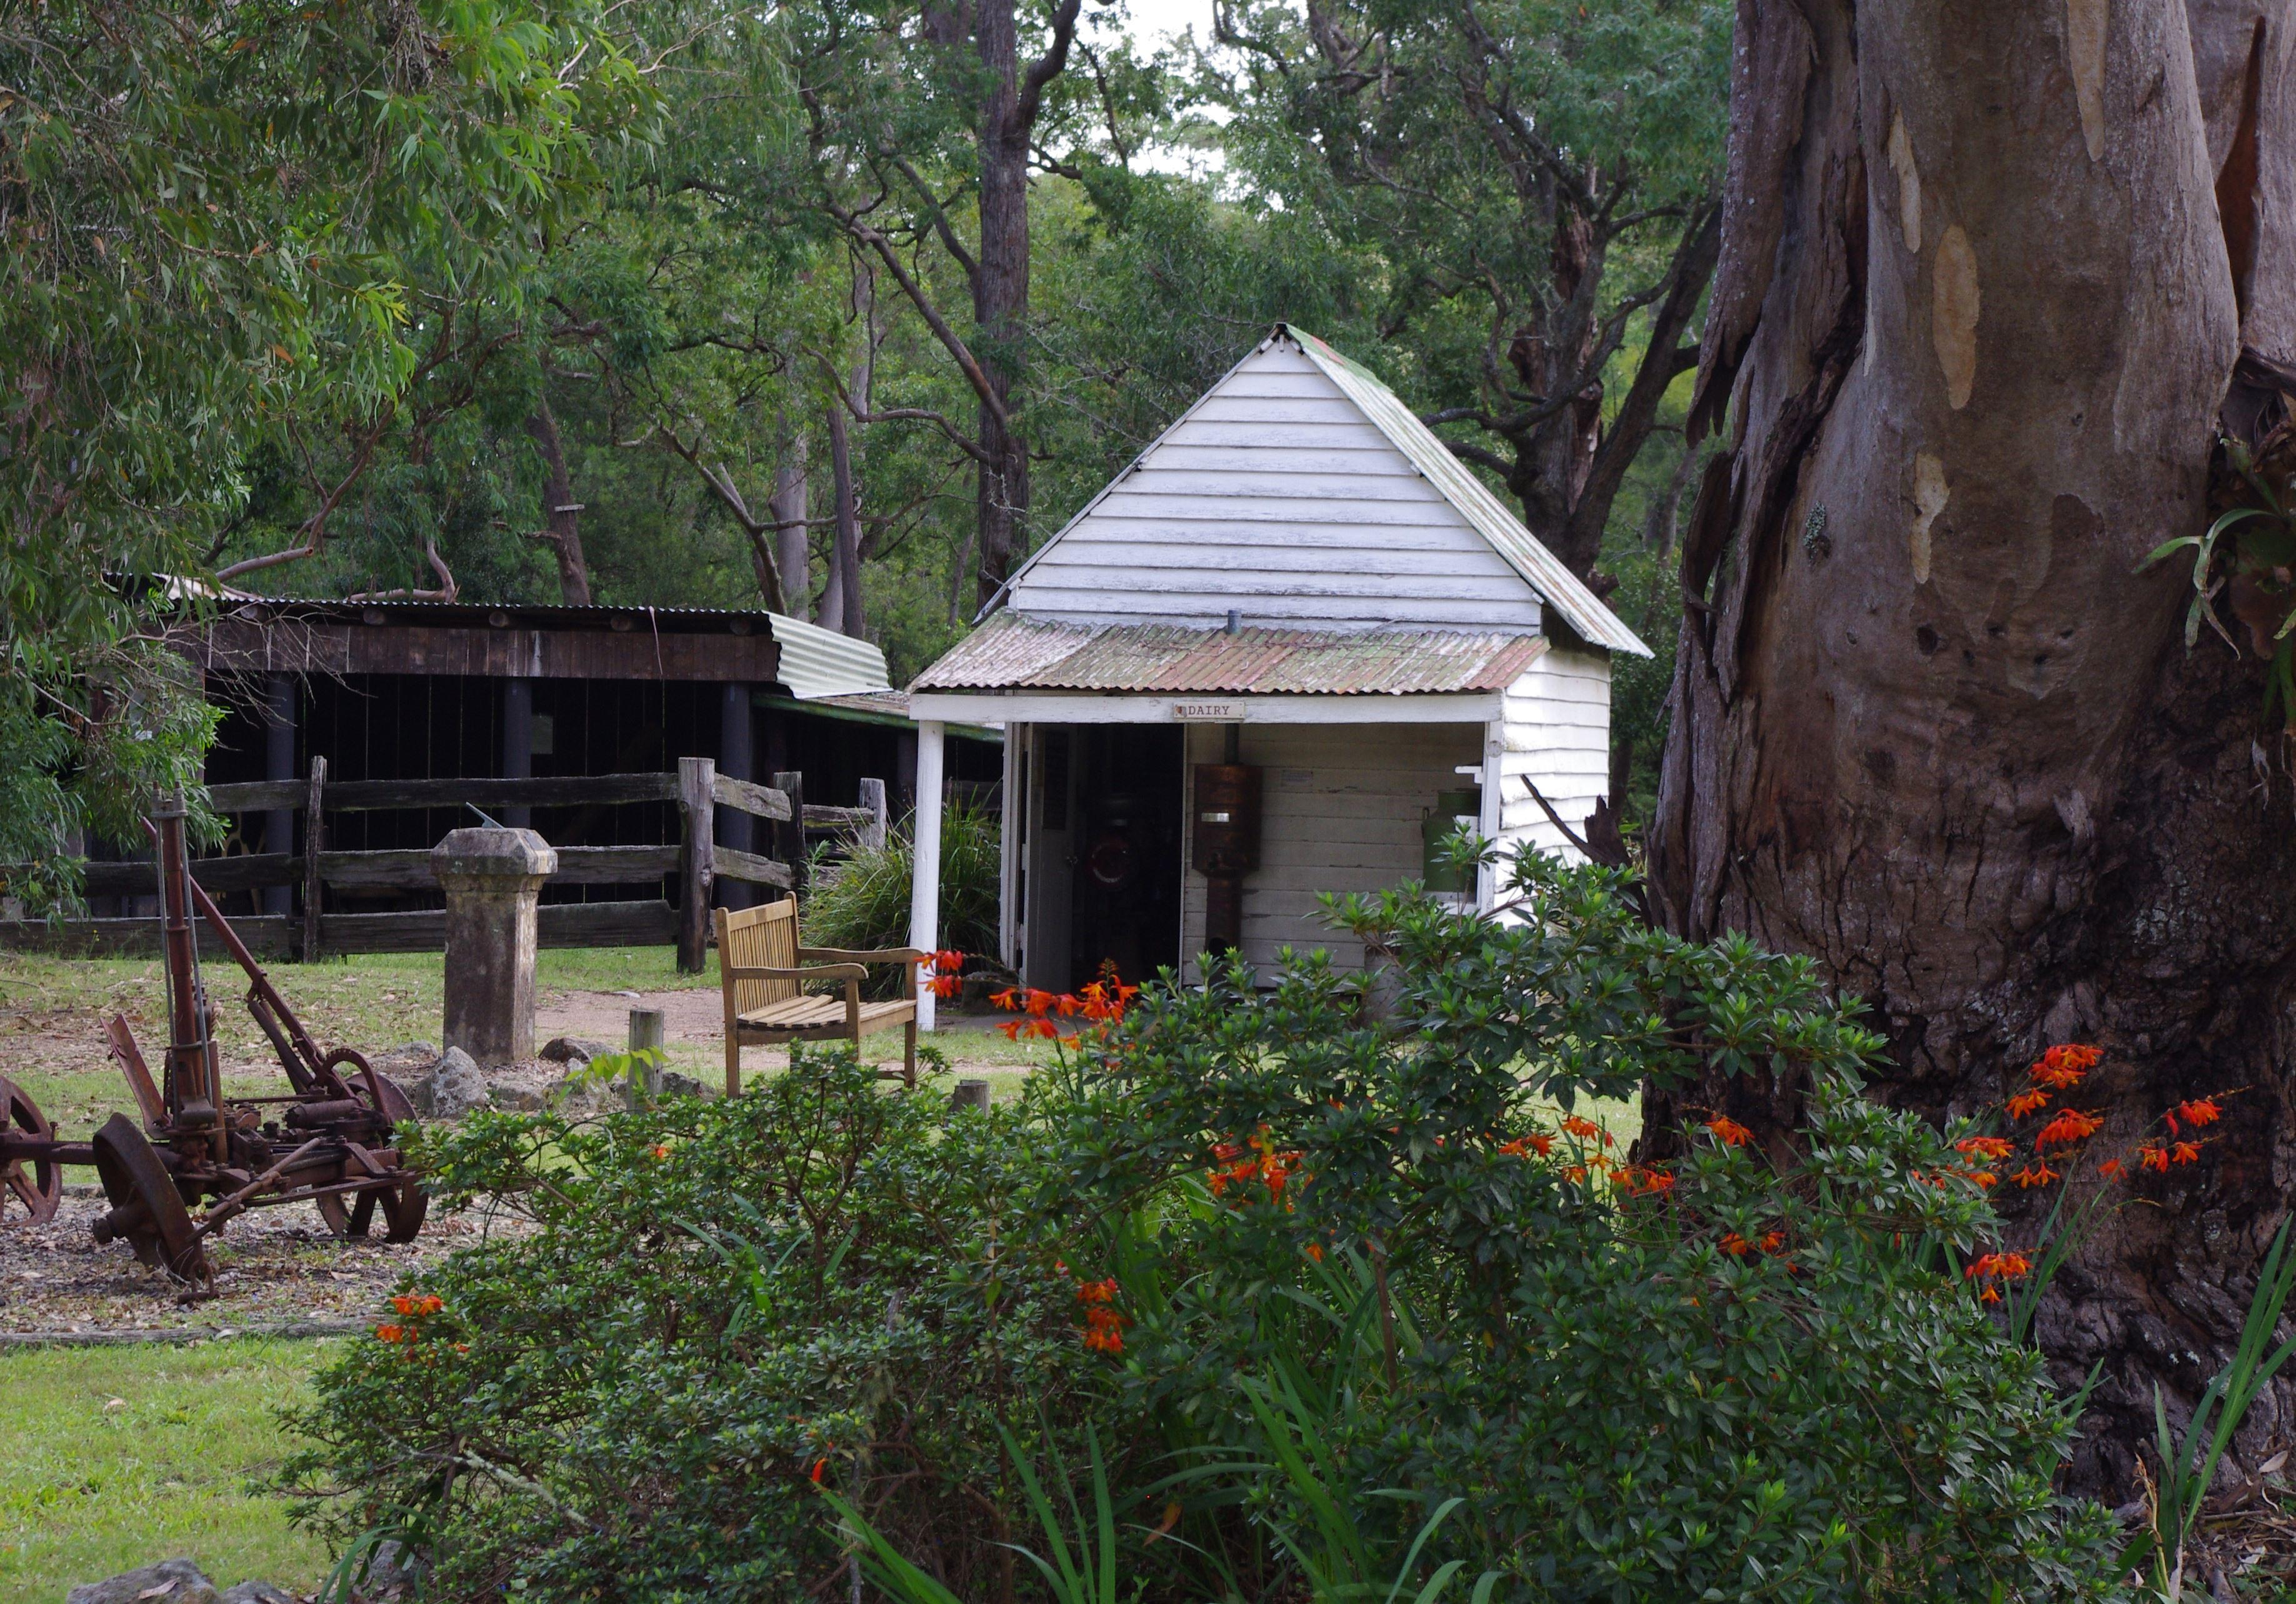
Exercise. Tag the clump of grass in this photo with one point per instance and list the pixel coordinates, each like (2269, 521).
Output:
(860, 899)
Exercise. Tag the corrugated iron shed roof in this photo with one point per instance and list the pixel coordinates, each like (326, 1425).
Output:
(817, 662)
(1011, 652)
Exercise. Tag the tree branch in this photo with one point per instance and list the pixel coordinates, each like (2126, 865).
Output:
(1047, 67)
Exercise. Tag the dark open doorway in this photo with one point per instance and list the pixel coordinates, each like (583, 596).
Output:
(1127, 888)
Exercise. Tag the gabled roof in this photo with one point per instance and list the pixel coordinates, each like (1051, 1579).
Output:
(1562, 589)
(1299, 490)
(1013, 652)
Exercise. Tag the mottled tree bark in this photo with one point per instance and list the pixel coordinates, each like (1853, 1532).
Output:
(562, 528)
(1976, 315)
(1000, 272)
(792, 539)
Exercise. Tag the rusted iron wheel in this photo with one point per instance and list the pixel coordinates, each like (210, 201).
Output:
(146, 1209)
(34, 1184)
(350, 1216)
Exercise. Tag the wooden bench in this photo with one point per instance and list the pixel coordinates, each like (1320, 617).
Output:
(762, 972)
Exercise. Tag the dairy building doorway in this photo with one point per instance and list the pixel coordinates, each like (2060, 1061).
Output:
(1098, 862)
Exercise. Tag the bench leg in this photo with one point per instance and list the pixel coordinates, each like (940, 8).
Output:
(732, 1064)
(909, 1055)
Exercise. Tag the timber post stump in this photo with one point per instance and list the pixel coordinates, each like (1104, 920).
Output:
(493, 879)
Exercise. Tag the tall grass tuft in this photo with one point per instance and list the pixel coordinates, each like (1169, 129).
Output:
(861, 899)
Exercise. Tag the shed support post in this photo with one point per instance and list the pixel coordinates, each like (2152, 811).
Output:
(872, 797)
(696, 861)
(518, 743)
(279, 765)
(315, 833)
(789, 837)
(736, 760)
(924, 882)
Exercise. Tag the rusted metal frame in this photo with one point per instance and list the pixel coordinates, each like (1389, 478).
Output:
(223, 1212)
(298, 1054)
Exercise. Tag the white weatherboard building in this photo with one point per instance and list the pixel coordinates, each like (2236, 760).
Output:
(1298, 578)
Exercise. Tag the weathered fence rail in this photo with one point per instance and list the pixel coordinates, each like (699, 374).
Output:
(696, 861)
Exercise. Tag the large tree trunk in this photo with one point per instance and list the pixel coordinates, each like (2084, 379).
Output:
(1000, 294)
(1975, 317)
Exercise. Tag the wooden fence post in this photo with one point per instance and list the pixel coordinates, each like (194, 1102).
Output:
(315, 831)
(789, 835)
(696, 853)
(872, 797)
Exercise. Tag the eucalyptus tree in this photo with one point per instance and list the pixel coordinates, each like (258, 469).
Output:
(2007, 300)
(1540, 178)
(214, 215)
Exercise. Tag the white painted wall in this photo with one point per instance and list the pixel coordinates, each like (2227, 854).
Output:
(1275, 496)
(1556, 732)
(1342, 804)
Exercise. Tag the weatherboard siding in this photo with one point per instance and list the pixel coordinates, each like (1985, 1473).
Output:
(1342, 808)
(1275, 498)
(1555, 733)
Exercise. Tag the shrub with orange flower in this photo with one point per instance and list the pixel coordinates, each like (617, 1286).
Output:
(1103, 1326)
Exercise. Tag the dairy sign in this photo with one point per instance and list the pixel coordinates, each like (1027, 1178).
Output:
(1208, 712)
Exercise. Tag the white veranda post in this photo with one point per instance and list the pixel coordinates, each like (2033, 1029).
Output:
(924, 882)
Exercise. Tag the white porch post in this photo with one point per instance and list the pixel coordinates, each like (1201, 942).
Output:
(1493, 822)
(924, 880)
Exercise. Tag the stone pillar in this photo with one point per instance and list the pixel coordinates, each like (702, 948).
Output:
(492, 878)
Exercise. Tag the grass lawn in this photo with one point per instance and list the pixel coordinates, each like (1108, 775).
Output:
(123, 1457)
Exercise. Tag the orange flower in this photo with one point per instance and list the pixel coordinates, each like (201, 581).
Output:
(1728, 1131)
(2200, 1111)
(1997, 1267)
(946, 986)
(1585, 1130)
(404, 1304)
(2063, 1065)
(2185, 1152)
(1008, 1000)
(390, 1333)
(2153, 1157)
(1097, 1292)
(1773, 1240)
(819, 1465)
(1039, 1002)
(2026, 1102)
(2112, 1169)
(1984, 1147)
(1012, 1028)
(1536, 1142)
(661, 1149)
(1732, 1243)
(2070, 1125)
(1315, 1251)
(1990, 1295)
(2035, 1176)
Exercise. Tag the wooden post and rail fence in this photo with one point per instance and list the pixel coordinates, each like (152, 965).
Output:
(696, 861)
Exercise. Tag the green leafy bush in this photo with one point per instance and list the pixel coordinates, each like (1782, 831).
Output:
(860, 900)
(1283, 1297)
(719, 1302)
(1372, 1267)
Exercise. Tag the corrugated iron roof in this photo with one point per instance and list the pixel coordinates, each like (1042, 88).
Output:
(817, 662)
(1012, 652)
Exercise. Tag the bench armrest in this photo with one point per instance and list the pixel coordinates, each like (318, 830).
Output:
(827, 971)
(845, 955)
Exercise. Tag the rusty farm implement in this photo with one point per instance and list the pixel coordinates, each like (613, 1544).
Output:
(329, 1140)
